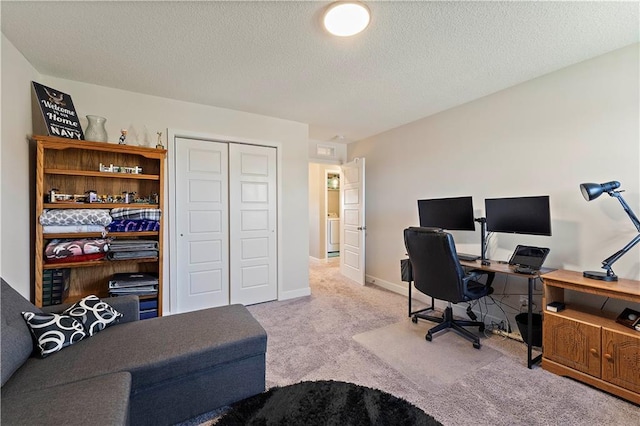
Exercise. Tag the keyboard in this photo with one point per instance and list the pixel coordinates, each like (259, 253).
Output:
(468, 257)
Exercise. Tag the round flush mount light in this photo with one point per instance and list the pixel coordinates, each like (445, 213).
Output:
(346, 18)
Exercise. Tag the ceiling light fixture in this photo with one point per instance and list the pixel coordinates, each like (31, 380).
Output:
(346, 18)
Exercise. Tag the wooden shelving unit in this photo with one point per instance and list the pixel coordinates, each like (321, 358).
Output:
(588, 344)
(72, 167)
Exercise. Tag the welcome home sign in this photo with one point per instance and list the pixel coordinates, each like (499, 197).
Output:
(58, 112)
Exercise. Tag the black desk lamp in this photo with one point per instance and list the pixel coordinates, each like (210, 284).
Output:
(591, 191)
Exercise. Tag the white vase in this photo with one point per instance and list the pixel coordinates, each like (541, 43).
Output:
(95, 129)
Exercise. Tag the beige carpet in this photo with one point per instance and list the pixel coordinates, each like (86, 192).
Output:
(443, 361)
(312, 338)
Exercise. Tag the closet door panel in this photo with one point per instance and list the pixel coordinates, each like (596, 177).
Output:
(252, 224)
(202, 224)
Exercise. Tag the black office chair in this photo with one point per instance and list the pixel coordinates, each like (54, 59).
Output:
(437, 273)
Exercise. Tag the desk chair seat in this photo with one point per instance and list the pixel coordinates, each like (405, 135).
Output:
(437, 273)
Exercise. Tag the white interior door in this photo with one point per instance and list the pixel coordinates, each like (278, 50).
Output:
(352, 216)
(202, 228)
(253, 213)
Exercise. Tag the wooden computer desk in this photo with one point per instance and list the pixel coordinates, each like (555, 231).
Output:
(500, 267)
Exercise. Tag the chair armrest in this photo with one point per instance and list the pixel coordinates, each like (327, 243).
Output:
(474, 276)
(128, 306)
(477, 273)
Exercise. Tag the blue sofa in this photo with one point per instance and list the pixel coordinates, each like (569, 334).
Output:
(157, 371)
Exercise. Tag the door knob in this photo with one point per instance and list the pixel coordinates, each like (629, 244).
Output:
(361, 228)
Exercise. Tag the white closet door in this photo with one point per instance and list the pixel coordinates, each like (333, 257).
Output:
(252, 223)
(202, 225)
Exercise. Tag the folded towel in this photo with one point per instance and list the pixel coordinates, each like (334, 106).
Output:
(133, 245)
(75, 217)
(73, 229)
(129, 225)
(135, 213)
(123, 255)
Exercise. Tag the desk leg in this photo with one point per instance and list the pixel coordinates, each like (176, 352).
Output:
(410, 297)
(530, 361)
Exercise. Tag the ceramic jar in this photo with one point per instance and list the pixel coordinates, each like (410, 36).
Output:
(95, 129)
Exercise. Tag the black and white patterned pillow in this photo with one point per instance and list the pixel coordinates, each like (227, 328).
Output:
(94, 314)
(53, 332)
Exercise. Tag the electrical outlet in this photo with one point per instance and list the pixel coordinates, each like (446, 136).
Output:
(524, 301)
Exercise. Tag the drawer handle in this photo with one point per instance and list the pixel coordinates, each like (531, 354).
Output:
(594, 352)
(608, 357)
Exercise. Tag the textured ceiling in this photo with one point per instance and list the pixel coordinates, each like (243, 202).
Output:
(273, 58)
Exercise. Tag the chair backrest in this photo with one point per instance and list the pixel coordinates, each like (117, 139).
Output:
(436, 269)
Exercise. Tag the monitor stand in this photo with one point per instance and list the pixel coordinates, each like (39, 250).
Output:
(483, 240)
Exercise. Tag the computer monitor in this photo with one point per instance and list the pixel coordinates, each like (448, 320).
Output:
(453, 214)
(519, 215)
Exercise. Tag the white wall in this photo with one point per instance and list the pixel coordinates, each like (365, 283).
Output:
(542, 137)
(16, 173)
(339, 151)
(316, 201)
(123, 109)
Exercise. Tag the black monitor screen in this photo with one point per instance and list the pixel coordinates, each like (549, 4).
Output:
(454, 214)
(522, 215)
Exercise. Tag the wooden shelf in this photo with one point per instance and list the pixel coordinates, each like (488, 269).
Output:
(588, 315)
(572, 280)
(99, 235)
(587, 343)
(104, 295)
(108, 175)
(63, 205)
(96, 263)
(73, 167)
(52, 142)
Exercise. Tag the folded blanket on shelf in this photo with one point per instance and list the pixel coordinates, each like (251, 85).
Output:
(58, 249)
(80, 258)
(129, 225)
(73, 229)
(75, 217)
(135, 213)
(133, 245)
(123, 255)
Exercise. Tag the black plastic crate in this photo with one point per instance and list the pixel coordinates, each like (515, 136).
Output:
(55, 285)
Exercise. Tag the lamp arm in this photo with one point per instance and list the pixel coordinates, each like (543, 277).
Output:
(626, 208)
(606, 264)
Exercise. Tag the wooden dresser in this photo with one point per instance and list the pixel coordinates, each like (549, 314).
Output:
(588, 344)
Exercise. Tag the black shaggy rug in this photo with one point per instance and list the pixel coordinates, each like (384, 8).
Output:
(325, 403)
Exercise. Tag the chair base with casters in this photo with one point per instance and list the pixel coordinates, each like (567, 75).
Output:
(448, 322)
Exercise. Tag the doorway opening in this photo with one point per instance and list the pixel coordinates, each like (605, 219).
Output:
(324, 212)
(332, 194)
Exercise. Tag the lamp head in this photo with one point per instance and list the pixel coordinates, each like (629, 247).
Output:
(591, 191)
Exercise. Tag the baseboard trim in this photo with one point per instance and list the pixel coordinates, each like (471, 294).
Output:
(292, 294)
